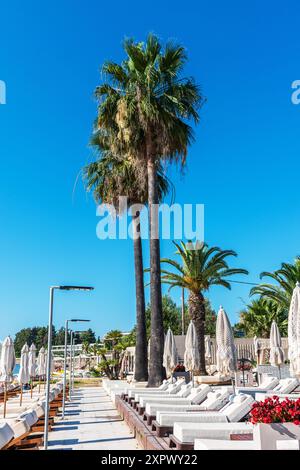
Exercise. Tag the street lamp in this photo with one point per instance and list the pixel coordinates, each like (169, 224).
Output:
(73, 320)
(52, 288)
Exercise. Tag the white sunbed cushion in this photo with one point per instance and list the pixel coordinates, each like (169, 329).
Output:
(39, 408)
(186, 431)
(286, 385)
(169, 399)
(215, 400)
(29, 416)
(218, 444)
(200, 394)
(268, 383)
(185, 390)
(152, 408)
(175, 387)
(6, 434)
(19, 427)
(238, 408)
(172, 390)
(133, 391)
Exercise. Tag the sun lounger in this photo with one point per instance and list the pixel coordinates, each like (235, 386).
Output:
(195, 395)
(185, 433)
(22, 431)
(165, 421)
(268, 384)
(185, 392)
(170, 389)
(6, 434)
(203, 401)
(126, 390)
(171, 393)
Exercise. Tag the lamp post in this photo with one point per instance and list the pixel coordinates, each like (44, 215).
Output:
(48, 371)
(71, 365)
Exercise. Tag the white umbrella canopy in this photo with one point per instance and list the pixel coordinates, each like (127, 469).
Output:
(208, 351)
(24, 376)
(170, 353)
(191, 353)
(41, 362)
(294, 332)
(226, 351)
(8, 360)
(32, 361)
(276, 350)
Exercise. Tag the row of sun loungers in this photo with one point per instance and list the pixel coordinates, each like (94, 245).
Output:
(200, 416)
(23, 426)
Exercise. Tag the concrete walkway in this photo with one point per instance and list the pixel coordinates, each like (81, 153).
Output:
(91, 422)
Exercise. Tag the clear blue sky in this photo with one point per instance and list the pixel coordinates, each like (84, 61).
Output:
(244, 165)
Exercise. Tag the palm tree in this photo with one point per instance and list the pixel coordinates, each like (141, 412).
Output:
(110, 177)
(256, 319)
(201, 267)
(148, 102)
(286, 278)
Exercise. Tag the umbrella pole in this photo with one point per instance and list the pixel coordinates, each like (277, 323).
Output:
(31, 387)
(5, 397)
(39, 383)
(279, 372)
(21, 395)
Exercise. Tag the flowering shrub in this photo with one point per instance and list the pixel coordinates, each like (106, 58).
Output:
(179, 368)
(244, 365)
(272, 410)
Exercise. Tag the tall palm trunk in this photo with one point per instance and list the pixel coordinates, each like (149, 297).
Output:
(156, 371)
(197, 314)
(141, 352)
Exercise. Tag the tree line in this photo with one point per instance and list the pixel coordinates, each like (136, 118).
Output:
(39, 336)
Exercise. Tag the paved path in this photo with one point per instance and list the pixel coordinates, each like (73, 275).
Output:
(91, 422)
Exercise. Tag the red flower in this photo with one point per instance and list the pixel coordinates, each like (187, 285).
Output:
(272, 410)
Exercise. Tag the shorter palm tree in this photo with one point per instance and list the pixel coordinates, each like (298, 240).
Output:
(256, 319)
(286, 278)
(201, 267)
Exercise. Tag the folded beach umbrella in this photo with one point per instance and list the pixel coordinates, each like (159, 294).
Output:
(226, 351)
(32, 363)
(294, 332)
(170, 353)
(24, 376)
(208, 351)
(41, 362)
(7, 364)
(8, 360)
(276, 350)
(191, 353)
(41, 365)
